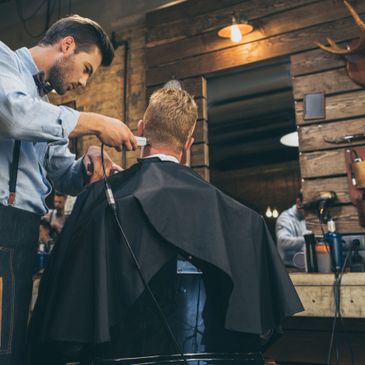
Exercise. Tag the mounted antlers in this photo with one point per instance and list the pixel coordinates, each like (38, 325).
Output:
(354, 52)
(334, 48)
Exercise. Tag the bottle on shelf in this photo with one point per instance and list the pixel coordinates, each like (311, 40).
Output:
(334, 240)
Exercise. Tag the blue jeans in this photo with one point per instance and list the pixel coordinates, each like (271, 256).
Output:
(19, 232)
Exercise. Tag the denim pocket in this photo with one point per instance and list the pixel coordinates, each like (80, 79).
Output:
(7, 296)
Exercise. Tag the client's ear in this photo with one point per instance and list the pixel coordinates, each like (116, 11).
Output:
(140, 128)
(185, 158)
(188, 143)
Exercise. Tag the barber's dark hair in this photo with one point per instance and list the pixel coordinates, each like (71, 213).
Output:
(87, 34)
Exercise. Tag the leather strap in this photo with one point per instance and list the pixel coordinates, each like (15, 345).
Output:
(14, 173)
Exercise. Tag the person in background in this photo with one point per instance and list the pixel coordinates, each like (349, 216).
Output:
(56, 217)
(45, 234)
(290, 228)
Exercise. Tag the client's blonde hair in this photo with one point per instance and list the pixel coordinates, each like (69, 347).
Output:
(170, 118)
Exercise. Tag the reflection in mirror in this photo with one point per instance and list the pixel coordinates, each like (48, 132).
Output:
(249, 110)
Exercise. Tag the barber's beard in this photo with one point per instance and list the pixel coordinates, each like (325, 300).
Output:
(57, 75)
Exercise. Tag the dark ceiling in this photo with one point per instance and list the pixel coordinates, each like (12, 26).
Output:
(248, 111)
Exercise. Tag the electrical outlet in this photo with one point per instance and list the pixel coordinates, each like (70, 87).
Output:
(348, 240)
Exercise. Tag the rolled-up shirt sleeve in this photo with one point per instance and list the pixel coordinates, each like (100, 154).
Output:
(26, 117)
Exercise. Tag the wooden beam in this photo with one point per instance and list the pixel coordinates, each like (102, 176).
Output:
(201, 131)
(341, 106)
(322, 163)
(311, 137)
(202, 108)
(328, 82)
(199, 155)
(235, 56)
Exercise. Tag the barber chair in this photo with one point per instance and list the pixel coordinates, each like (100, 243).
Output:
(198, 326)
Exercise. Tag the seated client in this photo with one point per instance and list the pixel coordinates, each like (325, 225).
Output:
(165, 209)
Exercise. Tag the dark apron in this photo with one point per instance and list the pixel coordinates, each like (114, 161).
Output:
(19, 230)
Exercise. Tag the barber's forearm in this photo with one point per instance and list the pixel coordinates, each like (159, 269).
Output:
(111, 131)
(88, 124)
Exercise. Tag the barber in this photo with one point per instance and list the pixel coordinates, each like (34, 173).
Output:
(34, 151)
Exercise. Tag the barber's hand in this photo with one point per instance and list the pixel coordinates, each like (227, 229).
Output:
(112, 132)
(115, 133)
(93, 165)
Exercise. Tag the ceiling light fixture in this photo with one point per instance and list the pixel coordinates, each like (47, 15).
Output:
(236, 30)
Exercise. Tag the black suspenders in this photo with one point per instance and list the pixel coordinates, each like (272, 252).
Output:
(38, 79)
(14, 173)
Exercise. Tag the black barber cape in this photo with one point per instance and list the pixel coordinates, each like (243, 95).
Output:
(164, 208)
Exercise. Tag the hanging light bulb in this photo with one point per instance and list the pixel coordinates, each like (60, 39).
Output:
(236, 35)
(268, 212)
(236, 30)
(275, 213)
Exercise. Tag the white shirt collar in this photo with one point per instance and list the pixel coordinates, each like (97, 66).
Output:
(164, 157)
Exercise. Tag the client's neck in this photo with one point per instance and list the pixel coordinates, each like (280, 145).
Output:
(164, 150)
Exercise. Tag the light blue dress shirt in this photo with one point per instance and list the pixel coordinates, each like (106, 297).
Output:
(43, 129)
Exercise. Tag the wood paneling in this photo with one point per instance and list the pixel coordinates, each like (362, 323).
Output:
(276, 184)
(196, 86)
(272, 25)
(199, 16)
(322, 163)
(202, 108)
(188, 9)
(314, 61)
(328, 82)
(340, 106)
(201, 131)
(199, 155)
(284, 44)
(345, 216)
(312, 188)
(311, 137)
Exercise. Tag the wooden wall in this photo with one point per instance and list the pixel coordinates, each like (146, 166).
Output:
(182, 43)
(322, 163)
